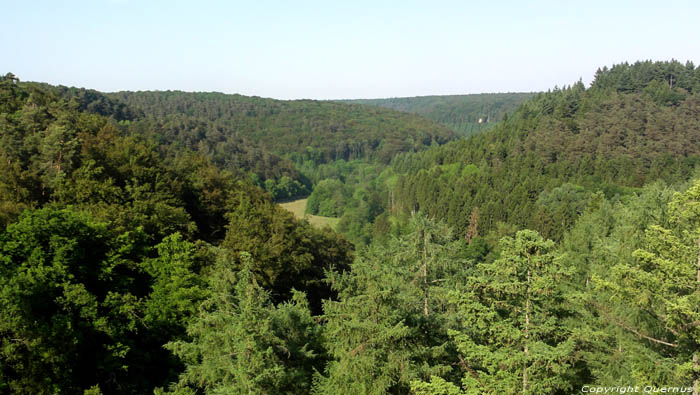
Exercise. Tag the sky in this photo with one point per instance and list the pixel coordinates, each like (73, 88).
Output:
(338, 49)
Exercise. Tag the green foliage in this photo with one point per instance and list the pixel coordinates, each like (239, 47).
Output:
(561, 206)
(303, 129)
(352, 190)
(379, 335)
(70, 306)
(241, 343)
(607, 139)
(108, 263)
(639, 76)
(176, 285)
(515, 337)
(285, 188)
(328, 198)
(660, 287)
(460, 113)
(436, 386)
(121, 213)
(288, 253)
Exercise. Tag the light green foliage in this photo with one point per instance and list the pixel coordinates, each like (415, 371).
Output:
(351, 190)
(604, 238)
(242, 344)
(177, 287)
(514, 337)
(328, 198)
(436, 386)
(379, 336)
(660, 286)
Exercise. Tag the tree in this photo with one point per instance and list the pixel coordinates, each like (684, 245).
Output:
(177, 285)
(425, 246)
(70, 307)
(368, 332)
(513, 337)
(662, 287)
(242, 344)
(389, 324)
(287, 252)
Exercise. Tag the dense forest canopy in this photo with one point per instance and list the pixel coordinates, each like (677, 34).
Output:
(536, 168)
(301, 129)
(465, 114)
(554, 253)
(108, 241)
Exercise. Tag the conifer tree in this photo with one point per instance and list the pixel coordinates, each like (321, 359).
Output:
(513, 337)
(241, 344)
(661, 286)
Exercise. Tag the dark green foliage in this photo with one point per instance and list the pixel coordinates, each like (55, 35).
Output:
(107, 263)
(130, 226)
(72, 307)
(598, 138)
(288, 253)
(303, 129)
(94, 102)
(641, 76)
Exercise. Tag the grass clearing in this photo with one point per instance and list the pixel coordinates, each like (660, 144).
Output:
(298, 208)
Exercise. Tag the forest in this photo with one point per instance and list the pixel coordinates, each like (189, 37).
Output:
(460, 113)
(142, 249)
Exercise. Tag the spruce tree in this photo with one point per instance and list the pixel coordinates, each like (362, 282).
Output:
(514, 337)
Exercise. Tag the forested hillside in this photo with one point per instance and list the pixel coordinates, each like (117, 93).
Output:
(460, 113)
(556, 253)
(300, 129)
(637, 123)
(108, 242)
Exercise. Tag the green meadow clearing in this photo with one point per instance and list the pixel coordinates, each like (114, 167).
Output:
(298, 208)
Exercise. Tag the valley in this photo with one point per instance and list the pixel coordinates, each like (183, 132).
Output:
(200, 242)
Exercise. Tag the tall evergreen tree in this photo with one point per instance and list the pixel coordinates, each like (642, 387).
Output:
(242, 344)
(661, 288)
(513, 337)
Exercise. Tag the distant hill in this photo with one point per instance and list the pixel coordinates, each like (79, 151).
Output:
(299, 129)
(266, 138)
(637, 123)
(460, 113)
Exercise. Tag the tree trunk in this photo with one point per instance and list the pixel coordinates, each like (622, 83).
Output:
(425, 276)
(527, 327)
(696, 381)
(696, 375)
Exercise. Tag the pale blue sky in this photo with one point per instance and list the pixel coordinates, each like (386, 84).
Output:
(338, 49)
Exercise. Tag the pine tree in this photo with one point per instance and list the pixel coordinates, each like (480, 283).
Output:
(241, 344)
(513, 337)
(661, 288)
(389, 326)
